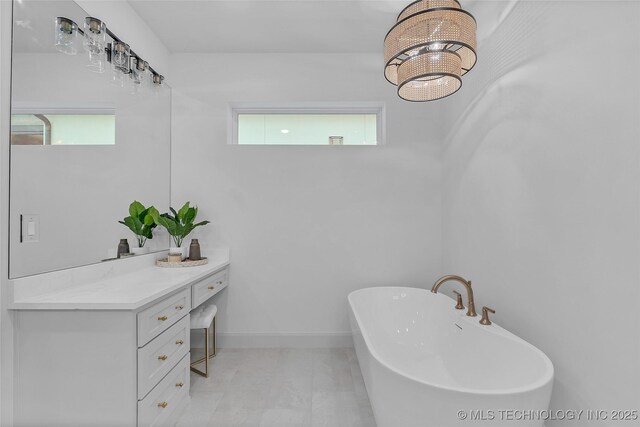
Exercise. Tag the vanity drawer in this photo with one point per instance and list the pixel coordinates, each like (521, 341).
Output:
(156, 409)
(160, 355)
(159, 317)
(205, 289)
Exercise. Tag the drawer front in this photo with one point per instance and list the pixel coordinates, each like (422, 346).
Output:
(160, 316)
(167, 397)
(208, 287)
(159, 356)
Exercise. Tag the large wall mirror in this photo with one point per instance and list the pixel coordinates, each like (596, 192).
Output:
(84, 145)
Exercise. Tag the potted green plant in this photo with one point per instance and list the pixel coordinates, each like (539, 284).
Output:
(179, 224)
(141, 222)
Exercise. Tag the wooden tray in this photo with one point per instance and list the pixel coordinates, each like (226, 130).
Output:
(162, 262)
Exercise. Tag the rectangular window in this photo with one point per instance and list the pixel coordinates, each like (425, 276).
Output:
(63, 129)
(307, 125)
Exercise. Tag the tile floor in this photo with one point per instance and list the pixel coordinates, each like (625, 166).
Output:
(280, 387)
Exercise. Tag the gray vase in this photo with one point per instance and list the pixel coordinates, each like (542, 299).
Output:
(194, 250)
(123, 247)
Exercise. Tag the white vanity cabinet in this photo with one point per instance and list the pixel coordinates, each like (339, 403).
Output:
(208, 287)
(88, 358)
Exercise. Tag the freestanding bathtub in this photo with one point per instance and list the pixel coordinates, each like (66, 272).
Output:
(426, 364)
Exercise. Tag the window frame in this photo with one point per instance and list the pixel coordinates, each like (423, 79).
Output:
(70, 111)
(377, 108)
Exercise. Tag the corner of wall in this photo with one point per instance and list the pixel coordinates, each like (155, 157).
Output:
(6, 317)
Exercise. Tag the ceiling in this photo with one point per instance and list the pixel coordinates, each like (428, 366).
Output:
(287, 26)
(270, 26)
(249, 26)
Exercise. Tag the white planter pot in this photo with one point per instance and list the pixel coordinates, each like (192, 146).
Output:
(139, 251)
(176, 250)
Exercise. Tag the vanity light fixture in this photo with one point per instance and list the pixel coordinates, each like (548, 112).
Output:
(120, 53)
(66, 35)
(120, 57)
(95, 43)
(139, 71)
(429, 49)
(123, 59)
(157, 79)
(135, 74)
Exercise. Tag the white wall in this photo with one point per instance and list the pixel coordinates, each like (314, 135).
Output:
(541, 192)
(306, 224)
(6, 319)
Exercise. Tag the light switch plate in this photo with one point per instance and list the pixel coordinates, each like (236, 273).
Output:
(30, 232)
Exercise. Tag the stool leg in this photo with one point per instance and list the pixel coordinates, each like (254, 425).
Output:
(213, 338)
(209, 353)
(205, 358)
(206, 352)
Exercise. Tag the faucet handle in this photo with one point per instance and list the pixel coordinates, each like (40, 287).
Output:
(459, 305)
(485, 315)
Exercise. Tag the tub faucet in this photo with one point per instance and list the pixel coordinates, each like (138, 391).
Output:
(467, 285)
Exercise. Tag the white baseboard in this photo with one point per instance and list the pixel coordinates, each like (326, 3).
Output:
(285, 340)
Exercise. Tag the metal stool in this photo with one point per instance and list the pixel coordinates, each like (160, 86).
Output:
(205, 319)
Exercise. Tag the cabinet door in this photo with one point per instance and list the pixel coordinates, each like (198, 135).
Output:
(160, 355)
(170, 395)
(205, 289)
(162, 315)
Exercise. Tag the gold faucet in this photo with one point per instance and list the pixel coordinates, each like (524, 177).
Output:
(485, 316)
(466, 283)
(459, 304)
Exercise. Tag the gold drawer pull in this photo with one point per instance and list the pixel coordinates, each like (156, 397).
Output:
(162, 318)
(211, 287)
(220, 282)
(163, 405)
(179, 385)
(179, 307)
(179, 342)
(163, 357)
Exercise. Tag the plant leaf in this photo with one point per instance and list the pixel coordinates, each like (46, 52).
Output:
(148, 218)
(142, 214)
(168, 215)
(189, 216)
(147, 231)
(153, 212)
(135, 208)
(134, 224)
(169, 224)
(182, 212)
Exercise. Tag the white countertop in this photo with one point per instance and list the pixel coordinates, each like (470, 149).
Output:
(128, 291)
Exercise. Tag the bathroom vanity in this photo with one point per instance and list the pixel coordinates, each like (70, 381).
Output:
(114, 350)
(96, 340)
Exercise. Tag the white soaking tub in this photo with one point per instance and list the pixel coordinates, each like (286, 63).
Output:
(426, 364)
